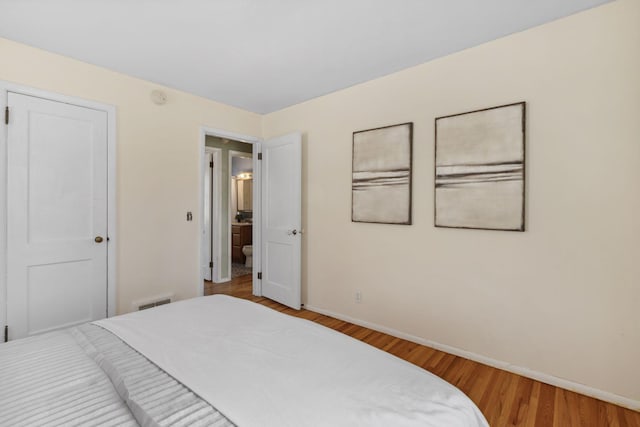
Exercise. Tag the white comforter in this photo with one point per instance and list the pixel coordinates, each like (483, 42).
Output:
(263, 368)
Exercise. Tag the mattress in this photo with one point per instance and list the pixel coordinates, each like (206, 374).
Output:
(217, 361)
(260, 367)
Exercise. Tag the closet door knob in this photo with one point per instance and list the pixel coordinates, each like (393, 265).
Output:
(98, 239)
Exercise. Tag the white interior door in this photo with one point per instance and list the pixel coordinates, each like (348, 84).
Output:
(56, 215)
(281, 219)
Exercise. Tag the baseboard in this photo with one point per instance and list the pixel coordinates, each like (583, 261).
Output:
(519, 370)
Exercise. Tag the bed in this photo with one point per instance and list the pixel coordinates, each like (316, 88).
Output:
(217, 361)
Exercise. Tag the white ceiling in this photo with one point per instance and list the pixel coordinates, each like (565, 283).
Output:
(264, 55)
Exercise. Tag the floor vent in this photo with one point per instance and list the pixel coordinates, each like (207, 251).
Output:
(154, 304)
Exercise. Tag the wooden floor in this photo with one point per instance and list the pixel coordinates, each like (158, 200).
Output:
(505, 399)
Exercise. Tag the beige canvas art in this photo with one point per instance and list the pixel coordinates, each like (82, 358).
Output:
(381, 180)
(479, 173)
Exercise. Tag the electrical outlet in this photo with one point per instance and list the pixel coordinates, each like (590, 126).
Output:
(358, 297)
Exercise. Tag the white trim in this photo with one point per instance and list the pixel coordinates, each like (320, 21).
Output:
(207, 251)
(519, 370)
(3, 212)
(216, 208)
(111, 211)
(5, 88)
(204, 131)
(257, 219)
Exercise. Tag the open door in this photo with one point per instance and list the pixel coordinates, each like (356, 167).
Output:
(281, 219)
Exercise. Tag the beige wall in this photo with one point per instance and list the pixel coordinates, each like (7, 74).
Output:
(158, 151)
(563, 298)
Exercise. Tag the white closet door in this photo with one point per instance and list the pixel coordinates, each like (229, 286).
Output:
(57, 215)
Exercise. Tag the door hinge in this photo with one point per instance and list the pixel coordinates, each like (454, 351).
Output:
(210, 164)
(210, 264)
(6, 333)
(6, 115)
(260, 276)
(259, 156)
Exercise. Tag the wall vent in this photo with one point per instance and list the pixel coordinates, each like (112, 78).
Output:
(154, 304)
(143, 304)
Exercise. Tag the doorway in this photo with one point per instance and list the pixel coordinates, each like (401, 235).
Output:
(276, 217)
(230, 210)
(241, 211)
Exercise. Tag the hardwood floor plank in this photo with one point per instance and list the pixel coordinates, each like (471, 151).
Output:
(444, 364)
(520, 405)
(564, 414)
(463, 374)
(362, 334)
(493, 399)
(378, 339)
(454, 371)
(433, 361)
(420, 355)
(587, 412)
(483, 375)
(401, 348)
(621, 418)
(390, 344)
(632, 419)
(533, 404)
(504, 398)
(546, 406)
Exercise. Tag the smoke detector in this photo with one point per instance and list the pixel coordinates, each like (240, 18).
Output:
(158, 97)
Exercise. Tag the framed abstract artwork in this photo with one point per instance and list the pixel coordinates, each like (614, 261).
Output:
(479, 169)
(381, 175)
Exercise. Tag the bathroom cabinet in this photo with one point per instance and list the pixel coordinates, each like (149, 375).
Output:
(241, 235)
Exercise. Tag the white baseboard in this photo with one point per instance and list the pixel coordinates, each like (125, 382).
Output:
(525, 372)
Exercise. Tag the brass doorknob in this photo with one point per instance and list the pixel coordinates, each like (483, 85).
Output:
(98, 239)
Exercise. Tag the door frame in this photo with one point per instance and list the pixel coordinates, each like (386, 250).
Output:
(214, 221)
(257, 148)
(110, 110)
